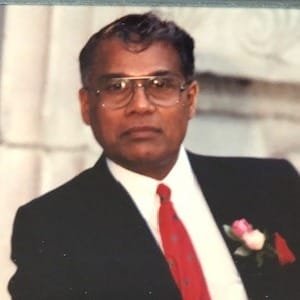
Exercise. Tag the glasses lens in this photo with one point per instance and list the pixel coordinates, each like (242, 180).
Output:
(114, 92)
(164, 90)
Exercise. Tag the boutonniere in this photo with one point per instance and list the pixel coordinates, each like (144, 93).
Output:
(262, 245)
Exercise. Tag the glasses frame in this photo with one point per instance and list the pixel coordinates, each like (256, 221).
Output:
(182, 88)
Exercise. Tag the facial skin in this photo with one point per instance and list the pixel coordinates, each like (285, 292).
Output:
(141, 137)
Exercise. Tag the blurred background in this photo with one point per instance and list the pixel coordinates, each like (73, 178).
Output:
(248, 67)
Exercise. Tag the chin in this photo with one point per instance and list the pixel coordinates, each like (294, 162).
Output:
(145, 156)
(149, 155)
(142, 153)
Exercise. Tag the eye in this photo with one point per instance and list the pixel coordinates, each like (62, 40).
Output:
(163, 83)
(114, 85)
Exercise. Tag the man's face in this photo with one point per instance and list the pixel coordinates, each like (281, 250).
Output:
(141, 134)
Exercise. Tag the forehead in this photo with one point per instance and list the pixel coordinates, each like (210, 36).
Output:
(112, 56)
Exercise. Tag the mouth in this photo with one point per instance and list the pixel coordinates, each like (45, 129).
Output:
(141, 132)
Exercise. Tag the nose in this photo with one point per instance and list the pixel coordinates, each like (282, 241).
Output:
(139, 102)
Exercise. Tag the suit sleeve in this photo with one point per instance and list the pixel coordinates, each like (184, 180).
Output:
(27, 282)
(41, 273)
(22, 284)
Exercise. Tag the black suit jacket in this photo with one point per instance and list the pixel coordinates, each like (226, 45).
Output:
(87, 240)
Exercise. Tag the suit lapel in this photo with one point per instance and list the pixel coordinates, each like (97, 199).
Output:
(213, 186)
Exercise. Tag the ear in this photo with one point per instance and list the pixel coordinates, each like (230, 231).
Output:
(85, 105)
(192, 97)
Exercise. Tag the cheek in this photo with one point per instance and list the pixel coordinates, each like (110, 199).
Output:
(105, 127)
(177, 122)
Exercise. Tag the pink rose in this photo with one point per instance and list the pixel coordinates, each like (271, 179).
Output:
(254, 240)
(239, 227)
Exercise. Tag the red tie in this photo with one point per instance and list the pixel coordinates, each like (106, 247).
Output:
(179, 251)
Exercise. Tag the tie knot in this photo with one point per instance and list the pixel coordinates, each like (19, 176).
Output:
(164, 192)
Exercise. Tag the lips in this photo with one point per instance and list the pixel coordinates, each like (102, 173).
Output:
(141, 132)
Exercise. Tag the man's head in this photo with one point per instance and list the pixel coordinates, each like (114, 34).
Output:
(140, 30)
(138, 94)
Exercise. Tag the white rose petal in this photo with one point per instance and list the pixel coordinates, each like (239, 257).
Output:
(254, 239)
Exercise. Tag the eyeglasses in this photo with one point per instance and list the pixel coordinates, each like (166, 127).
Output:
(161, 90)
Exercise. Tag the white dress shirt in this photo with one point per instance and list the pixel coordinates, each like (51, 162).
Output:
(223, 280)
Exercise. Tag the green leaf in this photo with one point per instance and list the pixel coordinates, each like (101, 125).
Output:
(242, 251)
(227, 230)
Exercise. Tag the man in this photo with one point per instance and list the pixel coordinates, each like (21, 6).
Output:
(98, 236)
